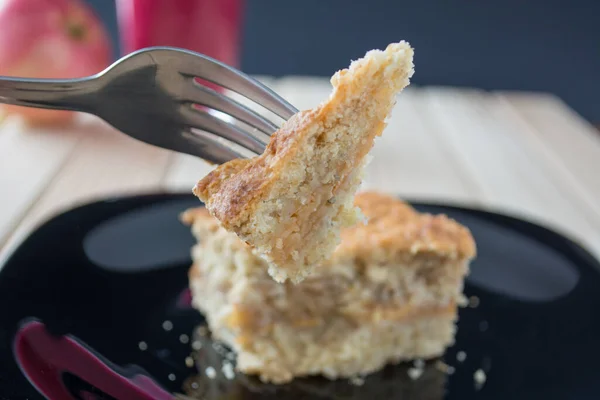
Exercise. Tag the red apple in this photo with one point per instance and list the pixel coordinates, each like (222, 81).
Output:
(50, 39)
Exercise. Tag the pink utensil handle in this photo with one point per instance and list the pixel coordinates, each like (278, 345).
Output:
(206, 26)
(44, 358)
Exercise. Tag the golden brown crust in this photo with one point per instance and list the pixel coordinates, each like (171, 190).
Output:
(191, 215)
(200, 220)
(394, 228)
(231, 190)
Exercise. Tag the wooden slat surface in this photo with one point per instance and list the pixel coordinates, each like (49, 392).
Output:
(508, 168)
(521, 153)
(29, 160)
(424, 167)
(568, 141)
(102, 163)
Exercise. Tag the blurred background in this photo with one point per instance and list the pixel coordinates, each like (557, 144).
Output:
(536, 45)
(500, 113)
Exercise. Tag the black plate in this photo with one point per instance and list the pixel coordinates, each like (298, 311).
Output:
(109, 274)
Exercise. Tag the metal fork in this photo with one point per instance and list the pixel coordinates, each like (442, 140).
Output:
(152, 95)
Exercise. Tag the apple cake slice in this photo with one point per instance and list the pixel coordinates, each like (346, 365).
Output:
(291, 202)
(389, 293)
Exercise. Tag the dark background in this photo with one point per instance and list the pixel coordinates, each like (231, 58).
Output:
(535, 45)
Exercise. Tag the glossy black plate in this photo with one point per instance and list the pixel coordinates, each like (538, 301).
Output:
(94, 306)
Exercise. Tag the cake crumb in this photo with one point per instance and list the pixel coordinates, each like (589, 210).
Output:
(357, 380)
(483, 326)
(461, 356)
(228, 371)
(202, 331)
(196, 345)
(143, 346)
(473, 301)
(211, 373)
(445, 368)
(167, 325)
(183, 338)
(480, 378)
(220, 349)
(172, 377)
(189, 362)
(415, 373)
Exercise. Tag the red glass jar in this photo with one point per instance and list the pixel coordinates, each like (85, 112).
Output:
(210, 27)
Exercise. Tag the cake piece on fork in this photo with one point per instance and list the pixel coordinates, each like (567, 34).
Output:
(389, 293)
(291, 202)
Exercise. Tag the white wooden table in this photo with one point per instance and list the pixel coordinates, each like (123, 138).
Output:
(523, 154)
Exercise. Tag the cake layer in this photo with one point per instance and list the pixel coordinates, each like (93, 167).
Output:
(340, 349)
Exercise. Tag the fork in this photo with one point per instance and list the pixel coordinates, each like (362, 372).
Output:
(153, 95)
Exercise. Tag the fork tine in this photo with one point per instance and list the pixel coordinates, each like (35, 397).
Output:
(208, 97)
(200, 119)
(209, 147)
(203, 67)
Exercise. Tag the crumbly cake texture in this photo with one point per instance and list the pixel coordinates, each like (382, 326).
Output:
(291, 202)
(389, 293)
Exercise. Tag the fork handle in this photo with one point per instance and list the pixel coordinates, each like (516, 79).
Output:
(60, 94)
